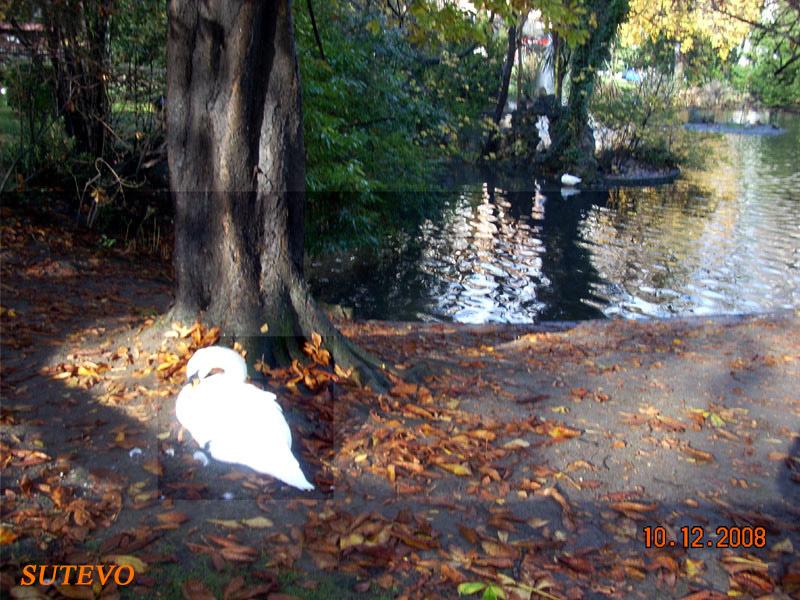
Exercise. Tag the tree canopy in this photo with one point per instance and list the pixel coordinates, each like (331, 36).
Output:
(724, 24)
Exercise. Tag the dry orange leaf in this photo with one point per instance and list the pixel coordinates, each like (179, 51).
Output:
(562, 431)
(153, 466)
(173, 518)
(452, 575)
(482, 434)
(403, 389)
(698, 455)
(7, 535)
(625, 507)
(469, 534)
(705, 595)
(753, 582)
(499, 549)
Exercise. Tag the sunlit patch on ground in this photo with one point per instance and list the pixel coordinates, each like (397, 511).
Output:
(529, 460)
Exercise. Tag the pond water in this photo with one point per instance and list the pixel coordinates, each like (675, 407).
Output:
(722, 239)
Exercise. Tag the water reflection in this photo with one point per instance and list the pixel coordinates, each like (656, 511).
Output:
(724, 239)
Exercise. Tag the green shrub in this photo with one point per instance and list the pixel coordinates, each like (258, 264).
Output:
(639, 122)
(382, 116)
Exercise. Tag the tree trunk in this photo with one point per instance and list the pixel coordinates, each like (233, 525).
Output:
(559, 68)
(237, 173)
(519, 71)
(572, 138)
(505, 80)
(317, 37)
(502, 95)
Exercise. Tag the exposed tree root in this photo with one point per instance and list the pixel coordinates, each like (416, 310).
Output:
(283, 341)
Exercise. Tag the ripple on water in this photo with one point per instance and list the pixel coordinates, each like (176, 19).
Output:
(725, 239)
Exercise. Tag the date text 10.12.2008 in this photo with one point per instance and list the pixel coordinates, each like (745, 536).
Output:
(698, 537)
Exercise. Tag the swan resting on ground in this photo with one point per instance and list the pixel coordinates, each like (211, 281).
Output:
(234, 420)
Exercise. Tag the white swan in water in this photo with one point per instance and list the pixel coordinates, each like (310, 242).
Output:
(236, 421)
(570, 180)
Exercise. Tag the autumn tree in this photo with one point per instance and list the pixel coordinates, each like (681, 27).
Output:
(236, 161)
(723, 23)
(583, 32)
(587, 57)
(514, 33)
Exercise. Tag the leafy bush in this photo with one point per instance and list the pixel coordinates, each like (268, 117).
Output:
(759, 79)
(638, 122)
(383, 114)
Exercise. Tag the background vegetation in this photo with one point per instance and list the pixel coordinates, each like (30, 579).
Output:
(394, 94)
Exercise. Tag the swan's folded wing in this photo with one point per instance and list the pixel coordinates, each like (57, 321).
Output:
(220, 408)
(265, 454)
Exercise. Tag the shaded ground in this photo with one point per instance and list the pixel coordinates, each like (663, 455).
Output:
(529, 458)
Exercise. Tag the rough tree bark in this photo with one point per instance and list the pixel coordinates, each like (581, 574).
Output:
(237, 173)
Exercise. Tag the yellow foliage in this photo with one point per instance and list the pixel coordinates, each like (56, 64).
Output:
(721, 22)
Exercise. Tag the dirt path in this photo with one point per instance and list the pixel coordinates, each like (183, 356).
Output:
(528, 458)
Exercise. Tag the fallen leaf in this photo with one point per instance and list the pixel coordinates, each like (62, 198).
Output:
(517, 443)
(7, 535)
(784, 546)
(482, 434)
(352, 539)
(173, 518)
(404, 389)
(456, 468)
(470, 587)
(469, 534)
(632, 507)
(562, 432)
(694, 567)
(705, 595)
(698, 455)
(229, 523)
(258, 522)
(195, 590)
(126, 560)
(153, 466)
(537, 523)
(451, 574)
(76, 592)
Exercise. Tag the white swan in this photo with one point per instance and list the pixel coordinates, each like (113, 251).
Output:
(216, 357)
(570, 180)
(236, 421)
